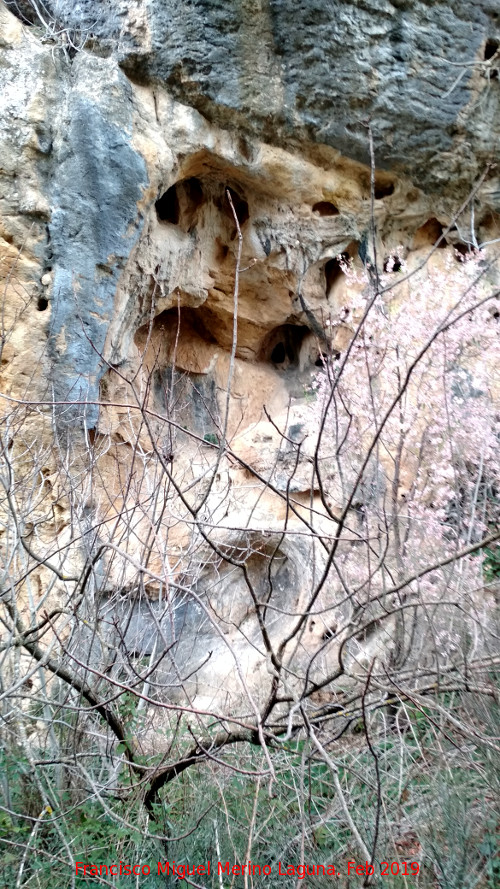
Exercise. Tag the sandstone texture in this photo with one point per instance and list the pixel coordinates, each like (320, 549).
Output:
(124, 125)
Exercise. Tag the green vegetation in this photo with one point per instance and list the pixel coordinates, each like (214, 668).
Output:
(436, 793)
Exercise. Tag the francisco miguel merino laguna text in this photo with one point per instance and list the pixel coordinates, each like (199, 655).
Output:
(186, 870)
(224, 867)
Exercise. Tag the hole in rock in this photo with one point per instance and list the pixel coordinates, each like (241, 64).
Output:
(278, 354)
(180, 203)
(171, 326)
(222, 250)
(240, 206)
(42, 304)
(181, 341)
(392, 264)
(383, 190)
(462, 251)
(193, 191)
(167, 207)
(491, 48)
(282, 346)
(334, 270)
(325, 208)
(429, 234)
(322, 359)
(329, 633)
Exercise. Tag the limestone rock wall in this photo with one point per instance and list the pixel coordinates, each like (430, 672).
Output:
(315, 73)
(120, 136)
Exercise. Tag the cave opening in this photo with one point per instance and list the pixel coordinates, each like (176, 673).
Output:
(180, 203)
(167, 206)
(240, 205)
(383, 190)
(325, 208)
(491, 48)
(334, 269)
(278, 354)
(282, 346)
(323, 358)
(430, 234)
(463, 251)
(393, 263)
(193, 191)
(174, 325)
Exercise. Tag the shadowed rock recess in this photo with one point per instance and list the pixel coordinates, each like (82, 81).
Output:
(123, 131)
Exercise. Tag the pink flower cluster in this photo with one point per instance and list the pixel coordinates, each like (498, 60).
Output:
(410, 424)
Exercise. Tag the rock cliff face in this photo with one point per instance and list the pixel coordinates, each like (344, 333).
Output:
(313, 74)
(124, 127)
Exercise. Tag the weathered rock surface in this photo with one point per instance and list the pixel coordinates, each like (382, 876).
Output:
(312, 73)
(119, 250)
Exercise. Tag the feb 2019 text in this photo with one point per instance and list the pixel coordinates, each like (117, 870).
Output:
(350, 868)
